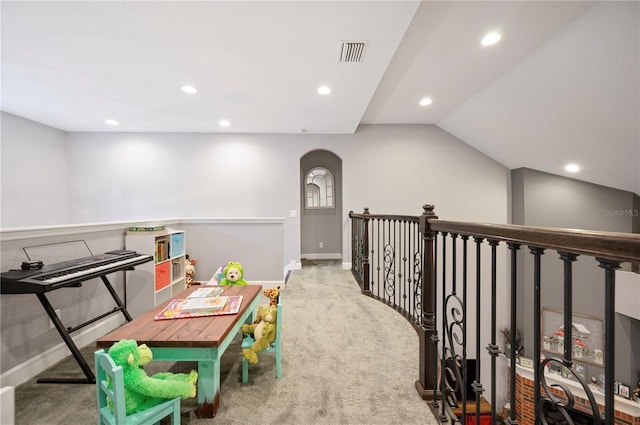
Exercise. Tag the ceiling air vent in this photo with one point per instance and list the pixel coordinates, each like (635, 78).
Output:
(352, 51)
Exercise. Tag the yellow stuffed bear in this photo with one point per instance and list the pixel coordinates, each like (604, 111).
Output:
(264, 332)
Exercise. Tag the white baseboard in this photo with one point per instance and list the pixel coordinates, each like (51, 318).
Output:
(27, 370)
(346, 266)
(7, 406)
(323, 256)
(268, 283)
(293, 265)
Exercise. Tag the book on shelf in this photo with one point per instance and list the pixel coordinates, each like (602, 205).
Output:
(206, 292)
(175, 309)
(146, 228)
(162, 250)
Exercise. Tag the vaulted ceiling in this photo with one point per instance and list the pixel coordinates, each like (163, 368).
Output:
(562, 84)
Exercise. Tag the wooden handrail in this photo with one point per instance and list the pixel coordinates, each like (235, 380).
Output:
(411, 218)
(616, 246)
(608, 245)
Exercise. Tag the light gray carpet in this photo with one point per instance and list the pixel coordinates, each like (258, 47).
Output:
(347, 359)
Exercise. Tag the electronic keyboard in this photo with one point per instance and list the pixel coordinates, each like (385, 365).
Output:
(69, 273)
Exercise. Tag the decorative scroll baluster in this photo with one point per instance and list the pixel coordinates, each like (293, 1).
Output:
(443, 390)
(465, 376)
(435, 337)
(454, 338)
(389, 264)
(418, 277)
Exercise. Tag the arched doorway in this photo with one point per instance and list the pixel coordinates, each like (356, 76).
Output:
(320, 206)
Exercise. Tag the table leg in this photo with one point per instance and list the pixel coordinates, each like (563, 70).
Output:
(208, 388)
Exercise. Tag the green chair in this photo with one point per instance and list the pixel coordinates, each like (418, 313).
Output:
(274, 347)
(111, 404)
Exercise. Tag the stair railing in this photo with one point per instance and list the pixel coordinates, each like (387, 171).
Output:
(396, 259)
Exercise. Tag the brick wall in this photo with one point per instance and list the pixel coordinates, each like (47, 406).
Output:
(525, 410)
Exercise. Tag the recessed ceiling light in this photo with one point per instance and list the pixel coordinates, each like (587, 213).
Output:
(426, 101)
(491, 38)
(189, 89)
(112, 122)
(324, 90)
(224, 123)
(572, 168)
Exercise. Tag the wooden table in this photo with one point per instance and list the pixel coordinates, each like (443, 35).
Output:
(201, 339)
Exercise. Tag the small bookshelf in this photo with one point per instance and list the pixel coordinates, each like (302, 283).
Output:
(152, 283)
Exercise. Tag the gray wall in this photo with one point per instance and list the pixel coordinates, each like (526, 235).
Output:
(143, 176)
(542, 199)
(122, 177)
(35, 174)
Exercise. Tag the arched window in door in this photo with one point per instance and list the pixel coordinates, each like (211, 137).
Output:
(319, 189)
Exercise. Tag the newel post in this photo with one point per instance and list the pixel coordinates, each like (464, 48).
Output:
(426, 383)
(365, 252)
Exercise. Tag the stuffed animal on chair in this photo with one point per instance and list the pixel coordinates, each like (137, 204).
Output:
(233, 274)
(143, 391)
(264, 332)
(272, 294)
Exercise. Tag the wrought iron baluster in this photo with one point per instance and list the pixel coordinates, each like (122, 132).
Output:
(378, 261)
(609, 267)
(454, 342)
(465, 376)
(443, 389)
(389, 263)
(568, 259)
(493, 349)
(434, 337)
(419, 281)
(537, 312)
(513, 248)
(477, 384)
(365, 252)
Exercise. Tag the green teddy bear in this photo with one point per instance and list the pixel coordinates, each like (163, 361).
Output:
(233, 274)
(143, 391)
(263, 330)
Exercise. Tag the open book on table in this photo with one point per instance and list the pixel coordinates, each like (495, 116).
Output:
(180, 308)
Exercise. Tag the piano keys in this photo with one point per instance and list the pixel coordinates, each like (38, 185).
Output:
(69, 273)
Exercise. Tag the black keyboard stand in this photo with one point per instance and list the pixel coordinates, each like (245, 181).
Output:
(65, 333)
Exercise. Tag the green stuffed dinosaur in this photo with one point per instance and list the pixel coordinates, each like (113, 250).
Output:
(143, 391)
(263, 330)
(233, 274)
